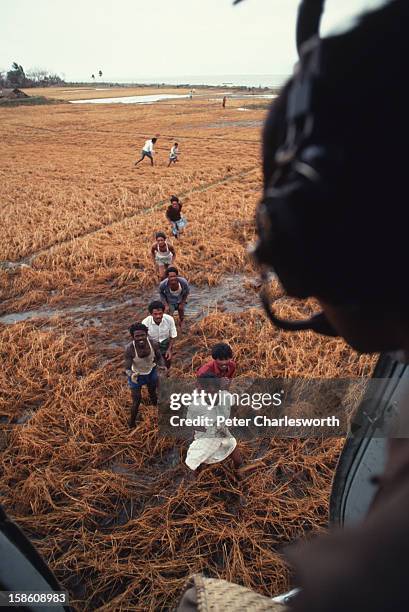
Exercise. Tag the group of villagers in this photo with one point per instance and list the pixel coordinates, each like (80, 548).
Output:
(148, 356)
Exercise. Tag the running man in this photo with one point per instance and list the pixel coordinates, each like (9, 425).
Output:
(147, 151)
(212, 443)
(174, 291)
(173, 214)
(142, 356)
(173, 156)
(161, 329)
(163, 254)
(221, 364)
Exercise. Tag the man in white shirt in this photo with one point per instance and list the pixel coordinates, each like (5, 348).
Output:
(161, 329)
(147, 151)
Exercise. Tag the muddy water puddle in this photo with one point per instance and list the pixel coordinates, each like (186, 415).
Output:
(227, 123)
(233, 294)
(148, 99)
(249, 123)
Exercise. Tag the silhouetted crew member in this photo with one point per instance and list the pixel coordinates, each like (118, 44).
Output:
(333, 225)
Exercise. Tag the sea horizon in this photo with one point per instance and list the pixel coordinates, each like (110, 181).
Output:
(245, 80)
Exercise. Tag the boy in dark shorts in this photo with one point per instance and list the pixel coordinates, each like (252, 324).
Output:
(173, 156)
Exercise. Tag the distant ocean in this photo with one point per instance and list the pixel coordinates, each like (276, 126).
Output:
(247, 80)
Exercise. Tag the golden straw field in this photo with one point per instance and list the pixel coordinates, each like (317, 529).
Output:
(107, 506)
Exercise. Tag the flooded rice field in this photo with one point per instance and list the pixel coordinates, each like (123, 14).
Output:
(106, 505)
(132, 99)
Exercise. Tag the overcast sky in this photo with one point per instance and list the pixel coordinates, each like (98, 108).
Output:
(138, 38)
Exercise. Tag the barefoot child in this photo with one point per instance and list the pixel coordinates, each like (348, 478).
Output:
(174, 153)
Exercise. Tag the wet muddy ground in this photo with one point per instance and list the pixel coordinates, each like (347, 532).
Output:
(227, 123)
(105, 323)
(234, 293)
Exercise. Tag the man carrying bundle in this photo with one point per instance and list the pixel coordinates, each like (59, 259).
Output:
(212, 443)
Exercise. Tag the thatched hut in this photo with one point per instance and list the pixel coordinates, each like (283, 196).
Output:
(12, 94)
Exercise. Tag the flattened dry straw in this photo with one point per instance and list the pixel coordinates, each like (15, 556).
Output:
(108, 507)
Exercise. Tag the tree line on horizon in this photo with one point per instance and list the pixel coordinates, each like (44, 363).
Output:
(35, 77)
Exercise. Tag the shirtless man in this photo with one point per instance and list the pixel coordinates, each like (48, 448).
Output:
(143, 359)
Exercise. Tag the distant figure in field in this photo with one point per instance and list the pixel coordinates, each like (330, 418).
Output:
(173, 213)
(191, 94)
(174, 152)
(221, 365)
(147, 151)
(163, 253)
(224, 102)
(161, 329)
(141, 358)
(174, 291)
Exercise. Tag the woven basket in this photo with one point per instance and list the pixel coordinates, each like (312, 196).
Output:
(213, 595)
